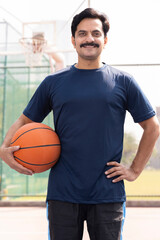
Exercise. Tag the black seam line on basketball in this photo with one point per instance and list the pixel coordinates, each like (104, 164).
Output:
(32, 130)
(34, 163)
(50, 145)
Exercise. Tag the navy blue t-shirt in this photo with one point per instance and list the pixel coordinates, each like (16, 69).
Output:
(89, 108)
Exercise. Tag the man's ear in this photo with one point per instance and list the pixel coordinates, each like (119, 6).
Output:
(105, 41)
(73, 41)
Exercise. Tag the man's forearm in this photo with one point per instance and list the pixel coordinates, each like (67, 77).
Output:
(145, 149)
(6, 152)
(146, 146)
(22, 120)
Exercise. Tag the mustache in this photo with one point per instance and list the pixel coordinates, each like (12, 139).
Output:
(89, 44)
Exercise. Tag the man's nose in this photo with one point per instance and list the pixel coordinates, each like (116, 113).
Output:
(89, 38)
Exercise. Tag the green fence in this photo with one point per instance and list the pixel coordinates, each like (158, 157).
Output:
(17, 84)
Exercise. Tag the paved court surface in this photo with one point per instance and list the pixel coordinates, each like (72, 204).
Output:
(29, 223)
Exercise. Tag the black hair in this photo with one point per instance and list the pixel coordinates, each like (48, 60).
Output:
(90, 13)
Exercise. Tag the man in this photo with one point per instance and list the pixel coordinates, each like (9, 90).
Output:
(89, 101)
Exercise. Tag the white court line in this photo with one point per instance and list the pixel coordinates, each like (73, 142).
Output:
(28, 233)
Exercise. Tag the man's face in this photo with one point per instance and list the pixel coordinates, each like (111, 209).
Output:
(89, 39)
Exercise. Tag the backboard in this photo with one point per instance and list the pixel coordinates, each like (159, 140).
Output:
(47, 27)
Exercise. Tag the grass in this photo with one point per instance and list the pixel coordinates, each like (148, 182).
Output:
(146, 187)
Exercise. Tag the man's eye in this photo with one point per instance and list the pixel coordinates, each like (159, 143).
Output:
(96, 34)
(81, 34)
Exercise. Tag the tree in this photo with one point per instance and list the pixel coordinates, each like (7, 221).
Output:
(129, 149)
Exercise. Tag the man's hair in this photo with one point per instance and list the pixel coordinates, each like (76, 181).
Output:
(90, 13)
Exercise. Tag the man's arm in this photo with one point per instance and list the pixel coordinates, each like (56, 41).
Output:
(146, 145)
(6, 152)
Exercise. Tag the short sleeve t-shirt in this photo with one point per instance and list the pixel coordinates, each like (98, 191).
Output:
(89, 108)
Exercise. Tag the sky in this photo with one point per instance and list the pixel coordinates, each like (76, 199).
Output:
(133, 37)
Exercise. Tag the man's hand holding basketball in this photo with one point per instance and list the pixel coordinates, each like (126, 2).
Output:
(6, 153)
(119, 172)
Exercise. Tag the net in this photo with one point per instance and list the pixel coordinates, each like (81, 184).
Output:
(33, 49)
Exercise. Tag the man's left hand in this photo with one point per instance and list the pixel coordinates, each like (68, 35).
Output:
(120, 172)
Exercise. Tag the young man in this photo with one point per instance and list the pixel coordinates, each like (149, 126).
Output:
(89, 101)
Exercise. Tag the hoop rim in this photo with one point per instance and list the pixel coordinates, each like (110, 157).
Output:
(24, 40)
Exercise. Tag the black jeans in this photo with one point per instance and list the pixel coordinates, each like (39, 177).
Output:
(66, 220)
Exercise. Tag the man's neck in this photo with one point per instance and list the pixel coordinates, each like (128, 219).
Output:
(88, 64)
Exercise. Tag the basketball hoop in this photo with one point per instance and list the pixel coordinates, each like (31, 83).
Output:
(33, 49)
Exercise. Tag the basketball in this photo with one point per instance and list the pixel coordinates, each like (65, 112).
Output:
(39, 147)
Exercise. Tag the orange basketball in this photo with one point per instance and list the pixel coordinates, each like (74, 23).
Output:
(39, 147)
